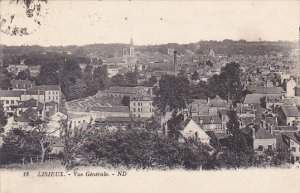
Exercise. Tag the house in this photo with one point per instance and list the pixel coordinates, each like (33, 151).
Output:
(141, 106)
(21, 84)
(210, 123)
(33, 104)
(112, 71)
(262, 139)
(51, 92)
(290, 114)
(192, 130)
(9, 99)
(292, 140)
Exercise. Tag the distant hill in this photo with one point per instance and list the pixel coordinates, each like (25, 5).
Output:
(13, 54)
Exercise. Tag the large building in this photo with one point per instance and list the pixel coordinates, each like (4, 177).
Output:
(10, 99)
(141, 106)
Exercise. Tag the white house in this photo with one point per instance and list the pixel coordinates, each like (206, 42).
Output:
(192, 130)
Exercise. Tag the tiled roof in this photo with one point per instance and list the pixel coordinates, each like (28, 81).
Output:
(111, 109)
(31, 103)
(29, 115)
(291, 111)
(124, 90)
(260, 133)
(208, 119)
(265, 90)
(10, 93)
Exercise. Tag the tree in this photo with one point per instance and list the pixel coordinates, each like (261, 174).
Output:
(48, 74)
(77, 90)
(131, 78)
(151, 82)
(174, 92)
(117, 80)
(195, 76)
(125, 101)
(175, 124)
(3, 118)
(237, 140)
(5, 79)
(23, 75)
(100, 76)
(228, 85)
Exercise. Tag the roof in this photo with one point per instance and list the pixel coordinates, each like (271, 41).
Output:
(31, 103)
(51, 103)
(260, 133)
(120, 119)
(290, 111)
(10, 93)
(29, 115)
(45, 87)
(21, 82)
(256, 98)
(208, 119)
(111, 109)
(265, 90)
(141, 98)
(124, 90)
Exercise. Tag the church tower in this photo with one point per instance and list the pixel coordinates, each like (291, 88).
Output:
(131, 48)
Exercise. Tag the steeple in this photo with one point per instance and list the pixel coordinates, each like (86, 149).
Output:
(131, 42)
(131, 48)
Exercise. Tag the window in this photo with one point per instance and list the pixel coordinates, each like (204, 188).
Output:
(57, 98)
(141, 104)
(17, 86)
(270, 147)
(293, 149)
(49, 98)
(133, 109)
(297, 158)
(260, 148)
(7, 101)
(7, 108)
(56, 92)
(12, 101)
(133, 104)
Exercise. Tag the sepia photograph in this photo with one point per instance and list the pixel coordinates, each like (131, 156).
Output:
(149, 96)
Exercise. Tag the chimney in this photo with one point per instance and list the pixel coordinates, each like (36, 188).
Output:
(175, 62)
(37, 101)
(208, 100)
(253, 132)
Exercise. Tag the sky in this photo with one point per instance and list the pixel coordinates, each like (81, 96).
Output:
(155, 22)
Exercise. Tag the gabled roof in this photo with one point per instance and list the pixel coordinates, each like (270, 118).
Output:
(190, 128)
(290, 111)
(260, 133)
(28, 116)
(10, 93)
(31, 103)
(207, 119)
